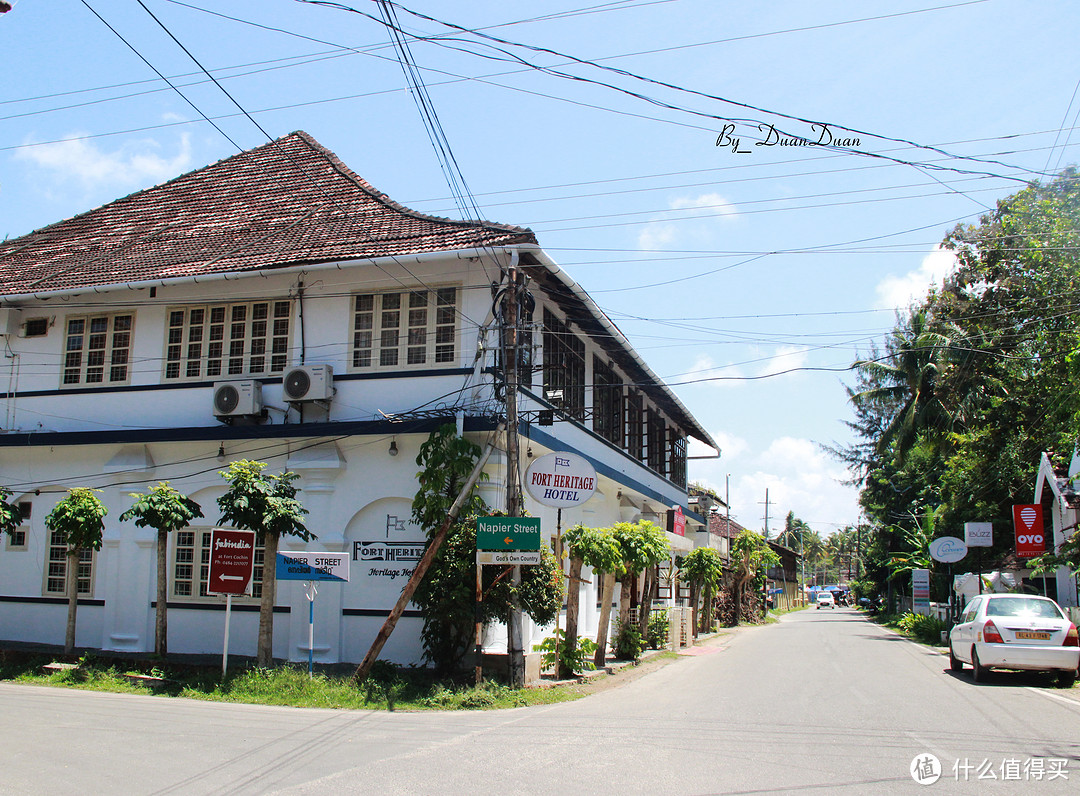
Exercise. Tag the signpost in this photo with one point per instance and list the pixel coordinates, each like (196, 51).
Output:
(947, 549)
(232, 563)
(979, 534)
(312, 567)
(1028, 523)
(920, 591)
(508, 533)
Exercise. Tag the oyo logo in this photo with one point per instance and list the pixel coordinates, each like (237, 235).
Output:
(1031, 538)
(1027, 516)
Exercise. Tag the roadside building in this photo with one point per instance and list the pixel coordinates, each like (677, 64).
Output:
(274, 306)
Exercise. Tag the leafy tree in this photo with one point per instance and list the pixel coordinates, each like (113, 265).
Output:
(977, 381)
(10, 516)
(704, 567)
(643, 546)
(597, 549)
(751, 556)
(165, 510)
(446, 595)
(80, 518)
(266, 504)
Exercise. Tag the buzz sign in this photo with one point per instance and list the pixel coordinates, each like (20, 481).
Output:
(312, 566)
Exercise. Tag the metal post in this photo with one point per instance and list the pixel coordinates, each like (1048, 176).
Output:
(311, 590)
(514, 644)
(225, 649)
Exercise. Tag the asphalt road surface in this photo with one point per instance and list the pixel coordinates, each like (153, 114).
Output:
(823, 702)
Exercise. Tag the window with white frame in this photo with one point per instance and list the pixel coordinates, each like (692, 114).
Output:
(17, 538)
(405, 329)
(241, 339)
(97, 349)
(57, 564)
(191, 565)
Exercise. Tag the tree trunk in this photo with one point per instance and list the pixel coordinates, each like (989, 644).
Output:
(161, 627)
(265, 656)
(624, 598)
(738, 600)
(648, 578)
(695, 592)
(607, 590)
(707, 609)
(72, 577)
(573, 600)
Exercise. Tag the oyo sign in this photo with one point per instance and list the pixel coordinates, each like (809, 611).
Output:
(947, 549)
(560, 480)
(232, 561)
(1028, 521)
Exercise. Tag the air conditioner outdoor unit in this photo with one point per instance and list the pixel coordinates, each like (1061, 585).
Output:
(237, 398)
(308, 383)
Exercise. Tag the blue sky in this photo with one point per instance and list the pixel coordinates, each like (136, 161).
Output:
(747, 276)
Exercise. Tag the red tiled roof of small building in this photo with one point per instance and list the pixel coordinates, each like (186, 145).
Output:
(722, 526)
(287, 203)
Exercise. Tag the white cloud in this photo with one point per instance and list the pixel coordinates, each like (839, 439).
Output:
(899, 292)
(132, 165)
(798, 475)
(660, 234)
(786, 357)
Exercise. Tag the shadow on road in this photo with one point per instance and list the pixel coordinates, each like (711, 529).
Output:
(1007, 679)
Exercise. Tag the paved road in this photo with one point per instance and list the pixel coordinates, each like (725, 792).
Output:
(823, 702)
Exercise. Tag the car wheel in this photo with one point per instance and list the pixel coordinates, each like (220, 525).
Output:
(1066, 679)
(955, 663)
(978, 671)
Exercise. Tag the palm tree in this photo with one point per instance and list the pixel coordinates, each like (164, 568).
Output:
(907, 380)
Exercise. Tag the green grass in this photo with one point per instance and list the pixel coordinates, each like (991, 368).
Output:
(389, 687)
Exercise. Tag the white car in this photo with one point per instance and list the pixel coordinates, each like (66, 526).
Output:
(825, 600)
(1015, 631)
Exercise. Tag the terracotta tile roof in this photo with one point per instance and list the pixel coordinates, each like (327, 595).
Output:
(722, 526)
(289, 202)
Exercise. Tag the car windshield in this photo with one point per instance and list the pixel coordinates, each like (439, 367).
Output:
(825, 598)
(1022, 606)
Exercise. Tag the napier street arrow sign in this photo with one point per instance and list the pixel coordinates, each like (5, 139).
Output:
(507, 533)
(232, 560)
(312, 566)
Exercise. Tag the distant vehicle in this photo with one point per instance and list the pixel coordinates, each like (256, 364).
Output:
(825, 600)
(1015, 631)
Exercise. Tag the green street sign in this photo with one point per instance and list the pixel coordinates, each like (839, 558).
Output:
(508, 533)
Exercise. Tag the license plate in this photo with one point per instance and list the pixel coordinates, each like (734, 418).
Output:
(1028, 634)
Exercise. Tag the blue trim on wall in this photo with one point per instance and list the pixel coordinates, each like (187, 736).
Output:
(231, 432)
(8, 598)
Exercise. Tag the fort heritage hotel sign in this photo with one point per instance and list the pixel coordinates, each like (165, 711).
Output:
(560, 480)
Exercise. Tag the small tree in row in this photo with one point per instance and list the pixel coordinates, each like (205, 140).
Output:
(597, 549)
(165, 510)
(703, 567)
(80, 517)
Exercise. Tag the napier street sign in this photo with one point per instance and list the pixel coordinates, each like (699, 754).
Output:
(313, 566)
(232, 561)
(508, 533)
(560, 480)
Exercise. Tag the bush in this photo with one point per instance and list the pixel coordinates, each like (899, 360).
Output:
(658, 630)
(628, 643)
(921, 627)
(577, 660)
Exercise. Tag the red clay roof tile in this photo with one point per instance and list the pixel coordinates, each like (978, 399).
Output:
(289, 202)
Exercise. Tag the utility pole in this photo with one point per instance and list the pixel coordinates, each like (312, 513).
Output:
(514, 646)
(766, 513)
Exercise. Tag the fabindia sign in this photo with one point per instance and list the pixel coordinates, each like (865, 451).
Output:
(560, 480)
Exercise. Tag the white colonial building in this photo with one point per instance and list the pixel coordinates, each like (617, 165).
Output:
(274, 306)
